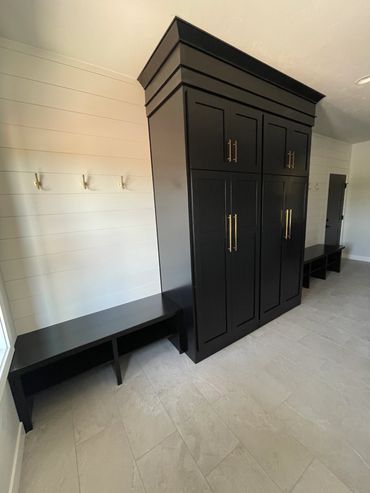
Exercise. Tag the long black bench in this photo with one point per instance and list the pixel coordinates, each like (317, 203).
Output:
(42, 347)
(318, 259)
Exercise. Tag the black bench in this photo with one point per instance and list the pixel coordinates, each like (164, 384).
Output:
(319, 259)
(42, 347)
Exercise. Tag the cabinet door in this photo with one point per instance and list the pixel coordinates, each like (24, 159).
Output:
(210, 197)
(299, 143)
(295, 203)
(272, 238)
(245, 129)
(275, 145)
(244, 258)
(207, 117)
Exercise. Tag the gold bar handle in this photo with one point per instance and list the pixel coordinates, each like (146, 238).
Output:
(229, 143)
(293, 159)
(290, 223)
(235, 151)
(289, 163)
(235, 232)
(286, 235)
(230, 248)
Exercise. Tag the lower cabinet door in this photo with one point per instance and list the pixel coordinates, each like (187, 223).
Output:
(293, 253)
(272, 238)
(243, 279)
(210, 197)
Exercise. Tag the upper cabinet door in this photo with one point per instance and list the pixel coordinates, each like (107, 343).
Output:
(299, 143)
(207, 117)
(286, 147)
(245, 130)
(275, 145)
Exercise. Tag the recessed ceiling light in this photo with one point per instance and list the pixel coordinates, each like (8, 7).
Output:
(363, 80)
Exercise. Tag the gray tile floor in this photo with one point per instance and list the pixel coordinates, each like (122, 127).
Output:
(286, 409)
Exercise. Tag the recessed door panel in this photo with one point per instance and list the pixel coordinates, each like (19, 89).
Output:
(245, 133)
(295, 203)
(210, 195)
(271, 242)
(244, 258)
(275, 140)
(299, 142)
(207, 117)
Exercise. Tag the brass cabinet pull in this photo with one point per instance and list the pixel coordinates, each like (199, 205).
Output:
(289, 163)
(293, 159)
(229, 150)
(286, 235)
(290, 223)
(235, 151)
(230, 248)
(235, 232)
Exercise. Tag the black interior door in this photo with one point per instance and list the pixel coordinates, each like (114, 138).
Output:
(272, 238)
(334, 215)
(210, 192)
(275, 145)
(293, 246)
(244, 258)
(299, 142)
(207, 131)
(245, 131)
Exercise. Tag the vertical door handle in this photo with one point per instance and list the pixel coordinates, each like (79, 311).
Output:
(230, 221)
(293, 159)
(229, 150)
(286, 234)
(289, 163)
(235, 151)
(235, 232)
(290, 223)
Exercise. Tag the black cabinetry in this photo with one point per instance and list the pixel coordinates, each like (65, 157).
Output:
(230, 144)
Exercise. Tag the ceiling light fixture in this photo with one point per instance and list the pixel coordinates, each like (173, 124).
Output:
(363, 80)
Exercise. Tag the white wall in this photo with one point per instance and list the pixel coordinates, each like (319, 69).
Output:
(327, 156)
(357, 226)
(66, 251)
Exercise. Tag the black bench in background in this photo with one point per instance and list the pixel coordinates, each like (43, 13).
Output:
(43, 347)
(318, 259)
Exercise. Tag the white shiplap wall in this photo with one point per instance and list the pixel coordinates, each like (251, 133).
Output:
(327, 156)
(66, 251)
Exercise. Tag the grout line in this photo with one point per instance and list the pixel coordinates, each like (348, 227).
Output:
(301, 476)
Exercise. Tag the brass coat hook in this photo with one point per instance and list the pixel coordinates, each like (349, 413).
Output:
(122, 183)
(85, 182)
(37, 182)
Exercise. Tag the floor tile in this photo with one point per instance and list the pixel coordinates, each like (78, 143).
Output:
(207, 438)
(318, 479)
(170, 468)
(239, 472)
(106, 464)
(144, 417)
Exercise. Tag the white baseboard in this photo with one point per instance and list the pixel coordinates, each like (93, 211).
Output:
(356, 257)
(17, 462)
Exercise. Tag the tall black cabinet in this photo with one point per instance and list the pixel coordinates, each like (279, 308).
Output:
(230, 145)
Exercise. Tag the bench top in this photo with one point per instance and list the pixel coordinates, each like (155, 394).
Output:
(317, 251)
(51, 343)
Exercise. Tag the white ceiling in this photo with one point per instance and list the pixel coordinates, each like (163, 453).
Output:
(323, 43)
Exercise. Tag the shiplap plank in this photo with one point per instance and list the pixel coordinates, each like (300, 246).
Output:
(61, 74)
(25, 205)
(48, 140)
(15, 113)
(58, 183)
(22, 228)
(44, 161)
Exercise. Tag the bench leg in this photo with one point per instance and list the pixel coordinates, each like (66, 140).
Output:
(20, 400)
(116, 365)
(180, 329)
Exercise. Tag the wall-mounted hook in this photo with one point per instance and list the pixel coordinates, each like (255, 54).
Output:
(122, 183)
(37, 182)
(85, 182)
